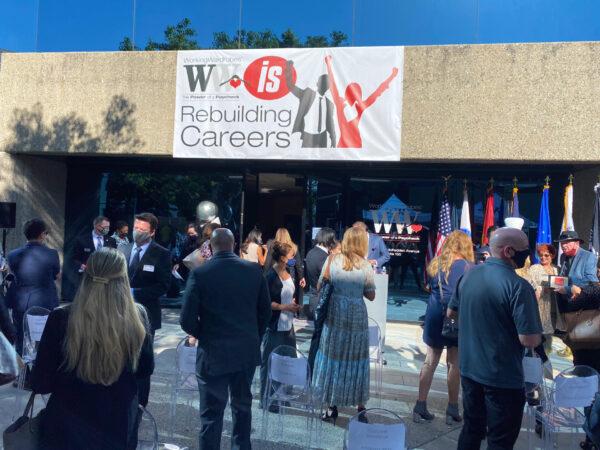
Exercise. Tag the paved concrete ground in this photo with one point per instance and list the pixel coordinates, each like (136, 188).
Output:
(404, 352)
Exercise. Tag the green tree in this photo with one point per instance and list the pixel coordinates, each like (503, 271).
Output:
(178, 37)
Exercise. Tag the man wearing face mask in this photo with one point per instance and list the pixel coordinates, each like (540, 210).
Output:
(498, 318)
(92, 241)
(149, 269)
(576, 263)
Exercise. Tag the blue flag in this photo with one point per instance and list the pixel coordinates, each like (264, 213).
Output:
(515, 205)
(544, 231)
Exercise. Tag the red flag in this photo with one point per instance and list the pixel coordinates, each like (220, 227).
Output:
(488, 217)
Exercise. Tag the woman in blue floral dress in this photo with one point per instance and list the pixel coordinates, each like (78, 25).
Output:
(341, 371)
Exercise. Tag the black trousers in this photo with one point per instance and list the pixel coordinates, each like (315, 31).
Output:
(497, 410)
(143, 384)
(214, 392)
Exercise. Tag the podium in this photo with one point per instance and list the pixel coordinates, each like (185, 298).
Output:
(377, 309)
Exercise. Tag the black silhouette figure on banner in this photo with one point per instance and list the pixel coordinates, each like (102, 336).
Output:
(349, 132)
(314, 119)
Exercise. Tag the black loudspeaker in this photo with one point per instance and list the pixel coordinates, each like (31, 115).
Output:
(8, 215)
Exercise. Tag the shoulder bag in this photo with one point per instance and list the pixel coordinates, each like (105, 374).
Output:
(449, 326)
(321, 313)
(24, 433)
(583, 328)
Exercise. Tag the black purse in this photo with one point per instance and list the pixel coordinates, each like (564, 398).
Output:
(320, 314)
(449, 326)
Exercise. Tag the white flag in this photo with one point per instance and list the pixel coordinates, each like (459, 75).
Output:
(465, 215)
(567, 223)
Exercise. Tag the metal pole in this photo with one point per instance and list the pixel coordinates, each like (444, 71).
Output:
(37, 24)
(133, 26)
(240, 26)
(353, 20)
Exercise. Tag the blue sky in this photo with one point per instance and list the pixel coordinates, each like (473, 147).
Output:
(83, 25)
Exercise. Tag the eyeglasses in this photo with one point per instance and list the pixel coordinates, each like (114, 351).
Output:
(545, 255)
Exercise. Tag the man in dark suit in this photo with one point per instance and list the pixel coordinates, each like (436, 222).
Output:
(91, 241)
(227, 308)
(149, 269)
(35, 268)
(378, 251)
(313, 265)
(314, 119)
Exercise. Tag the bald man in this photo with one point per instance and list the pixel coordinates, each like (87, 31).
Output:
(227, 307)
(497, 317)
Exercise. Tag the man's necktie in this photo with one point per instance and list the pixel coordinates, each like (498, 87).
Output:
(135, 261)
(320, 128)
(100, 243)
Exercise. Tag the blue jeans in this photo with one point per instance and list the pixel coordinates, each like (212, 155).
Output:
(495, 410)
(214, 393)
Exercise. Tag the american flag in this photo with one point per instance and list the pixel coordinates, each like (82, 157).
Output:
(444, 227)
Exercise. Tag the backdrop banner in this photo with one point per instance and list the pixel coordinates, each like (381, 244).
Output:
(306, 104)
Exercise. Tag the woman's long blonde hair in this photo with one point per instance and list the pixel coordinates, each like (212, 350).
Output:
(105, 331)
(283, 235)
(355, 246)
(456, 245)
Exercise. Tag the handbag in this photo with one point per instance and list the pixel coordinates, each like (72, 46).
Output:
(449, 326)
(24, 433)
(582, 328)
(193, 260)
(320, 314)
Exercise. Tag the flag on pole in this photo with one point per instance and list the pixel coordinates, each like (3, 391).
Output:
(444, 227)
(515, 202)
(595, 231)
(465, 215)
(488, 217)
(567, 222)
(544, 233)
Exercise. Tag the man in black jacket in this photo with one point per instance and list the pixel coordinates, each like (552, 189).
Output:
(149, 269)
(227, 308)
(91, 241)
(313, 265)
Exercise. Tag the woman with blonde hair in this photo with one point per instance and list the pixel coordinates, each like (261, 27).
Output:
(444, 273)
(341, 368)
(91, 354)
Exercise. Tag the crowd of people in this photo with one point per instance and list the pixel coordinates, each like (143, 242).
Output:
(486, 306)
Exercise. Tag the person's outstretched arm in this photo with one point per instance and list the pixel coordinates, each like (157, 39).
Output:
(289, 80)
(380, 90)
(332, 86)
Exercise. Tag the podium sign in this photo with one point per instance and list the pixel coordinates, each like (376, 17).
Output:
(377, 309)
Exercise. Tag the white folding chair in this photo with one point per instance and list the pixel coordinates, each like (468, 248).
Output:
(288, 386)
(147, 431)
(184, 378)
(376, 355)
(375, 428)
(34, 322)
(562, 411)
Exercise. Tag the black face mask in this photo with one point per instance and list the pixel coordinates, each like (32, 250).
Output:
(520, 257)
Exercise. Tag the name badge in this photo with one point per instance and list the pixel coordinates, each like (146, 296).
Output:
(148, 268)
(87, 250)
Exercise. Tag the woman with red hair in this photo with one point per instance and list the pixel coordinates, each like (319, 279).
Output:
(538, 275)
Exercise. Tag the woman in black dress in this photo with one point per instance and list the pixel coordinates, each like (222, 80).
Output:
(90, 357)
(444, 272)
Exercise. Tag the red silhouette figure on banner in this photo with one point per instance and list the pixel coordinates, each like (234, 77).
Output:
(349, 132)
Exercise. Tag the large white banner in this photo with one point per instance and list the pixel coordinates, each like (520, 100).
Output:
(321, 104)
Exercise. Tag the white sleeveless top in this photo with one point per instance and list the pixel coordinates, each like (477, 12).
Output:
(286, 318)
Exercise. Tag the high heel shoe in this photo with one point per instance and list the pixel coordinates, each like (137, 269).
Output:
(452, 414)
(330, 414)
(420, 413)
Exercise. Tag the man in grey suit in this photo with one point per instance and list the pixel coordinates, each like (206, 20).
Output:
(226, 306)
(378, 251)
(576, 263)
(314, 119)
